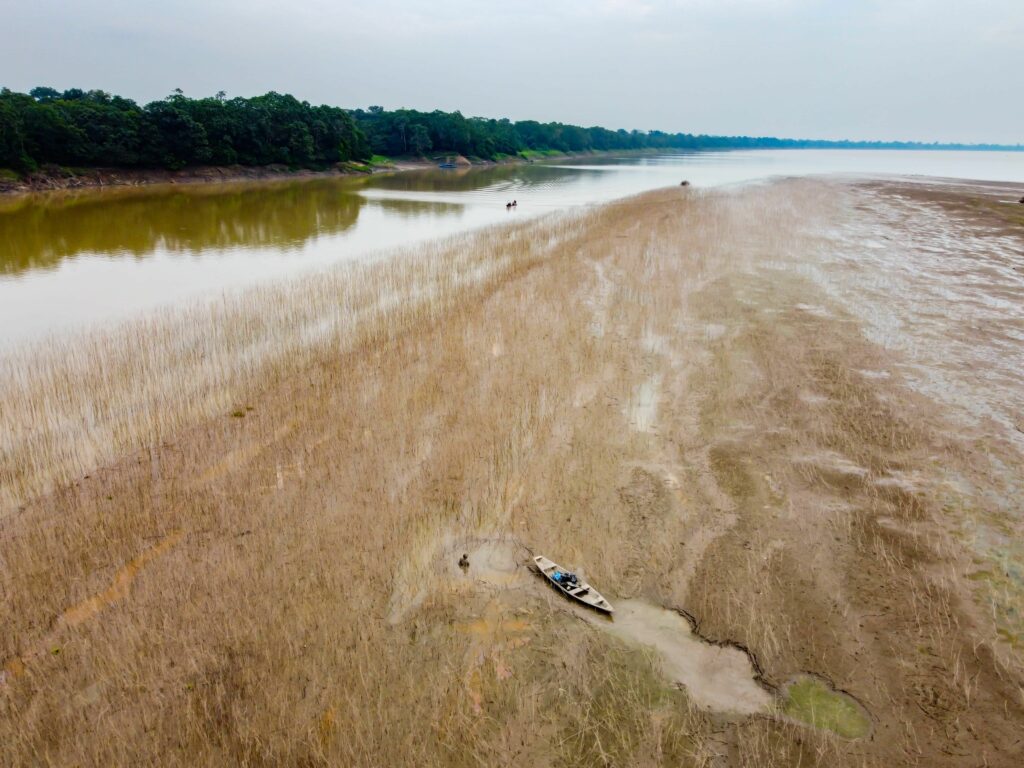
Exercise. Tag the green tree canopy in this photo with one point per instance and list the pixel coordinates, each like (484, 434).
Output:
(94, 128)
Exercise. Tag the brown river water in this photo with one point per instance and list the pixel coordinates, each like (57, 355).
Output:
(72, 260)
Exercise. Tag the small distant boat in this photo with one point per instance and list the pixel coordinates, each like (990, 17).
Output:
(447, 165)
(571, 585)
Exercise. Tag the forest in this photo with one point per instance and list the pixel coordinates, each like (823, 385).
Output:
(95, 129)
(78, 128)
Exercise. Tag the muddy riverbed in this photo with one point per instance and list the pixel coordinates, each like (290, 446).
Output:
(748, 416)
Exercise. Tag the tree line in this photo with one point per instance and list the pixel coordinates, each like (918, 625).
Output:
(407, 131)
(95, 129)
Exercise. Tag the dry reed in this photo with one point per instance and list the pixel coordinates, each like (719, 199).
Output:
(625, 389)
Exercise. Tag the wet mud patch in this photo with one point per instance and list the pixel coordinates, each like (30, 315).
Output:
(724, 679)
(471, 592)
(440, 564)
(493, 637)
(813, 701)
(732, 472)
(488, 562)
(717, 678)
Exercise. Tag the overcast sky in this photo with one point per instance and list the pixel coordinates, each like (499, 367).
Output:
(946, 70)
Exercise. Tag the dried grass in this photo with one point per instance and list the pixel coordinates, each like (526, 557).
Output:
(562, 385)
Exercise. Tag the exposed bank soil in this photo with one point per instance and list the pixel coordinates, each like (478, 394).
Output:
(42, 181)
(671, 402)
(85, 178)
(53, 178)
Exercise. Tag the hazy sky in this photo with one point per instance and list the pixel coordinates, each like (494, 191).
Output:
(948, 70)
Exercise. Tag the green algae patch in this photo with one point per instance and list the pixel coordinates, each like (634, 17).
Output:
(813, 701)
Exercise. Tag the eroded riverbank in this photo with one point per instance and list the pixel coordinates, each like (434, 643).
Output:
(101, 178)
(661, 392)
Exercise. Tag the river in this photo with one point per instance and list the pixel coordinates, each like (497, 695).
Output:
(73, 260)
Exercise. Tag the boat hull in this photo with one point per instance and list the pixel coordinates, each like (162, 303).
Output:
(582, 592)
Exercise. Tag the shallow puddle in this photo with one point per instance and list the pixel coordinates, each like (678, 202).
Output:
(814, 702)
(716, 678)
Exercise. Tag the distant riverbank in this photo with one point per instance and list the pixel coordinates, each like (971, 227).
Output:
(65, 178)
(60, 178)
(58, 140)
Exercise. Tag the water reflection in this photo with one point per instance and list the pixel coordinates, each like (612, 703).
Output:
(496, 178)
(415, 209)
(37, 233)
(69, 260)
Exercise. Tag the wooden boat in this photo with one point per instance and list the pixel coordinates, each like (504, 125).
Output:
(447, 165)
(580, 591)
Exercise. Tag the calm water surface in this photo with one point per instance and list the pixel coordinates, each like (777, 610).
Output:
(70, 261)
